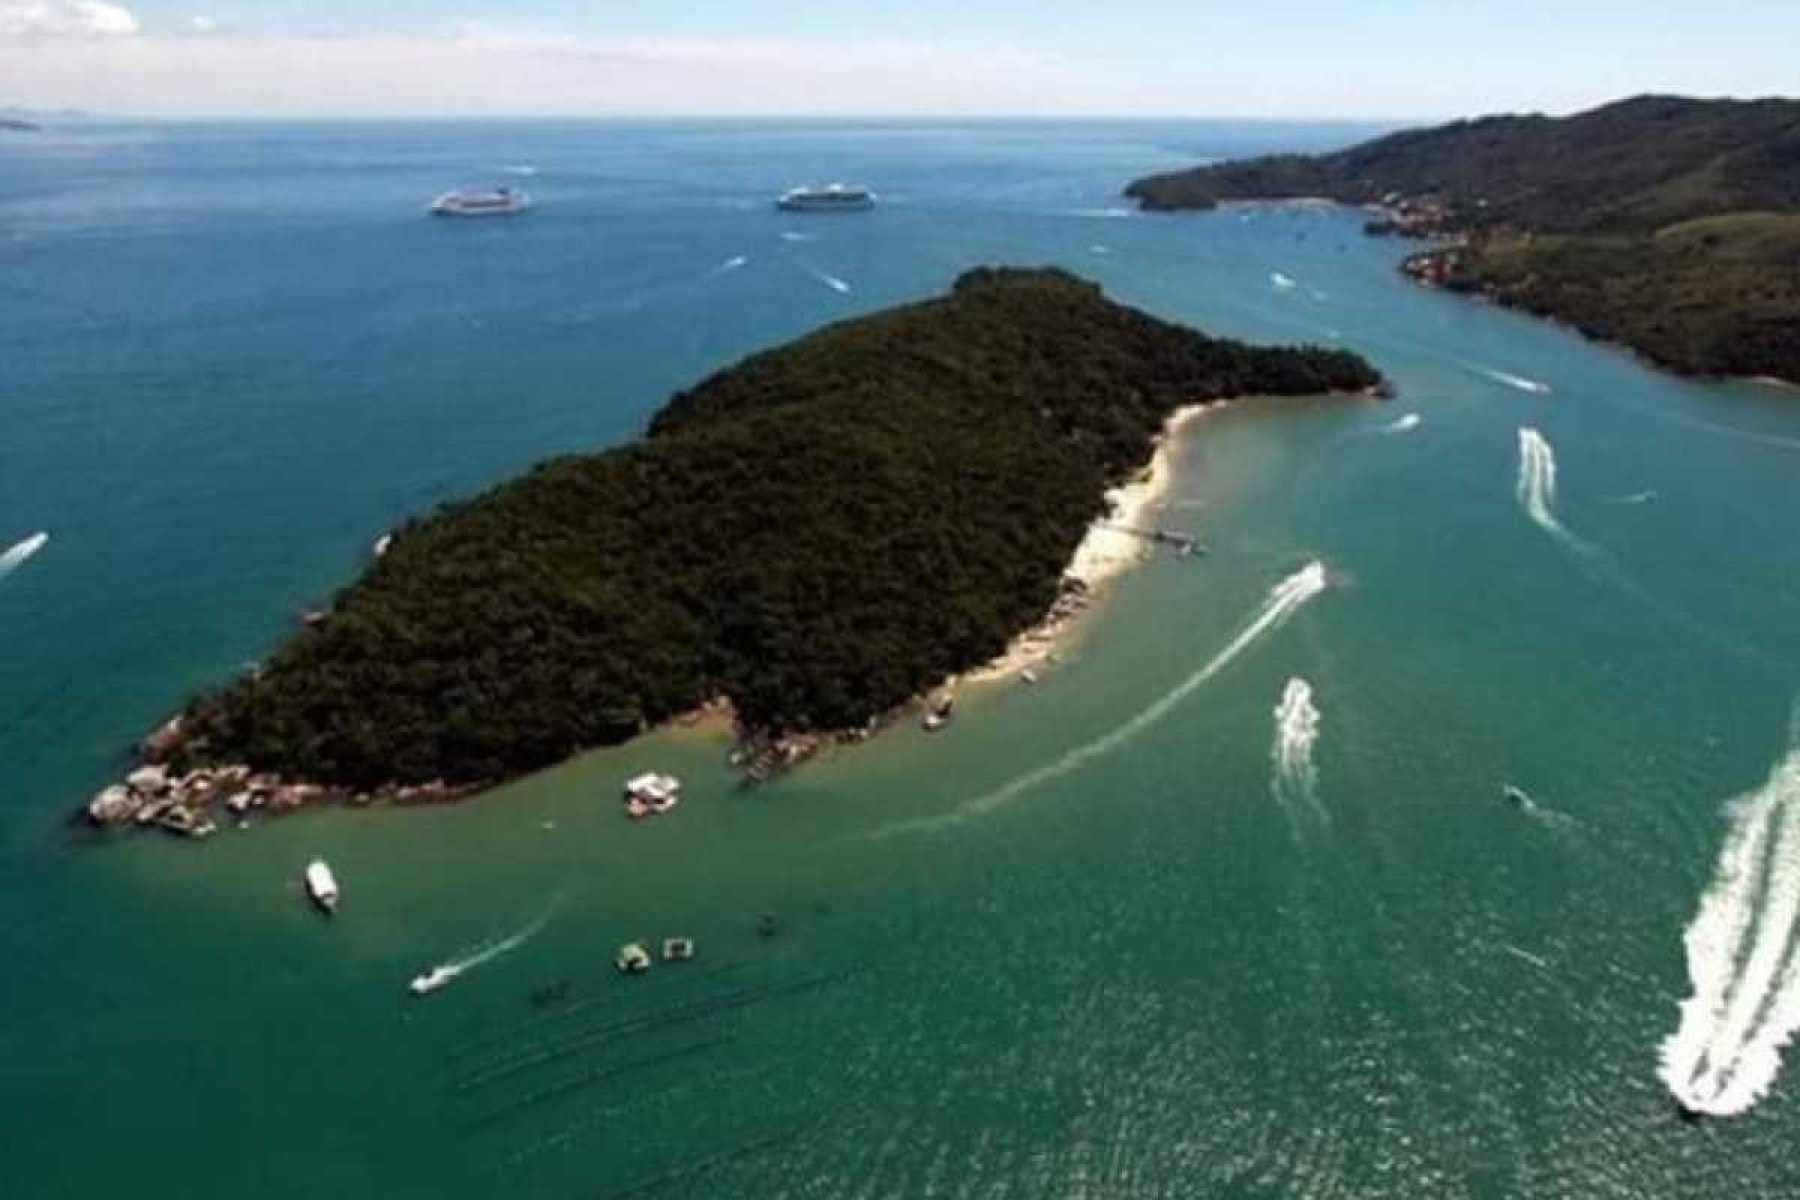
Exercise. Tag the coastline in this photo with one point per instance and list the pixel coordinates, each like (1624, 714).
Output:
(1106, 551)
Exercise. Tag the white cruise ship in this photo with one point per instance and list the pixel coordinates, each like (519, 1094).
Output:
(499, 202)
(833, 197)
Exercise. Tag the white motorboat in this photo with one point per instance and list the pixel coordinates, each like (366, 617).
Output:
(321, 885)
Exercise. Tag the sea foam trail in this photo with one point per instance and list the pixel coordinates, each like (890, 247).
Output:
(1512, 381)
(14, 557)
(1537, 479)
(731, 264)
(1284, 600)
(1742, 958)
(1282, 282)
(487, 953)
(830, 281)
(1403, 424)
(1633, 498)
(1296, 779)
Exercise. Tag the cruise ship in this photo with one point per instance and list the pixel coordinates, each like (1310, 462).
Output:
(499, 202)
(833, 197)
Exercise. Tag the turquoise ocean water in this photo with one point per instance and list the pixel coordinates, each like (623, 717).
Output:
(1114, 936)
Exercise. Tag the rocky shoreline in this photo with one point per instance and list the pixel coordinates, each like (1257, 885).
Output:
(193, 803)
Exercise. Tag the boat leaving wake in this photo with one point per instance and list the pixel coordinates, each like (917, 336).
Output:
(1282, 282)
(1512, 381)
(14, 557)
(1742, 958)
(1284, 600)
(1537, 480)
(1296, 779)
(731, 264)
(446, 972)
(830, 281)
(1633, 498)
(1537, 487)
(1403, 424)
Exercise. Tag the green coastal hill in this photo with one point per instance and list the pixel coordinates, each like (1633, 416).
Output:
(818, 533)
(1669, 224)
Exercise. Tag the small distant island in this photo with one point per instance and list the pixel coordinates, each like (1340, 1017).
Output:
(1670, 225)
(804, 542)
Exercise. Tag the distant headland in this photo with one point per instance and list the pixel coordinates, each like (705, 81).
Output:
(805, 541)
(1670, 225)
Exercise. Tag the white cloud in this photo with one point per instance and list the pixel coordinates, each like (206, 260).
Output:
(31, 20)
(526, 72)
(202, 25)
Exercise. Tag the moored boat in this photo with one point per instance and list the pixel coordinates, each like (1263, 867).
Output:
(321, 885)
(833, 197)
(651, 792)
(501, 201)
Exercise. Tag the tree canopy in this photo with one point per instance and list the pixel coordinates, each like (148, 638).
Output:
(818, 533)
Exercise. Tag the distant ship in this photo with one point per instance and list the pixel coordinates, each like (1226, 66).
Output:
(833, 197)
(500, 202)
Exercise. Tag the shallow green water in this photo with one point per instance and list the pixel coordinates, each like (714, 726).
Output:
(1078, 945)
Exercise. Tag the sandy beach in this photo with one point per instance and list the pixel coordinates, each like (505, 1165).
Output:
(1108, 549)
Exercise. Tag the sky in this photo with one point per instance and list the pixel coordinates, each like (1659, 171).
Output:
(1289, 59)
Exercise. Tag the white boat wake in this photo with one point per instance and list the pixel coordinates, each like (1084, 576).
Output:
(1537, 480)
(445, 972)
(830, 281)
(1403, 424)
(1537, 496)
(732, 264)
(1537, 491)
(1633, 498)
(1296, 779)
(525, 169)
(1512, 381)
(1536, 960)
(1282, 282)
(14, 557)
(1742, 958)
(1284, 600)
(789, 235)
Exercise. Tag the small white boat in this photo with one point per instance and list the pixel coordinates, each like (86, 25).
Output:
(651, 792)
(677, 949)
(432, 980)
(633, 959)
(321, 885)
(499, 202)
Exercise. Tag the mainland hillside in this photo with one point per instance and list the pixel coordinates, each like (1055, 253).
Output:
(1669, 224)
(818, 534)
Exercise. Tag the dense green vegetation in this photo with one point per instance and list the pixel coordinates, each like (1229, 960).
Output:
(1663, 222)
(1717, 296)
(818, 533)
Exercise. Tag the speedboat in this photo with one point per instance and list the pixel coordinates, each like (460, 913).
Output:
(499, 202)
(321, 885)
(1516, 797)
(432, 980)
(677, 949)
(833, 197)
(633, 959)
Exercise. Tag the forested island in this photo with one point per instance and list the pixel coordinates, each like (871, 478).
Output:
(1668, 224)
(813, 536)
